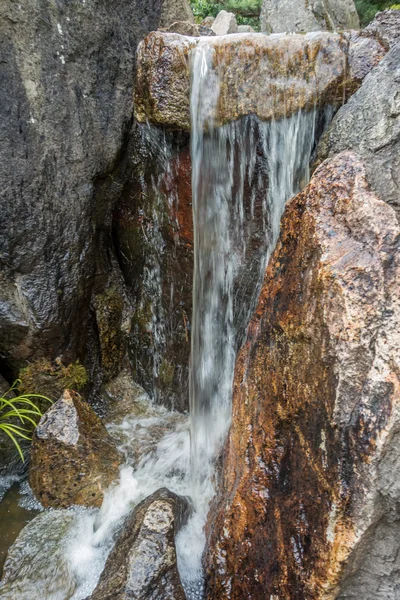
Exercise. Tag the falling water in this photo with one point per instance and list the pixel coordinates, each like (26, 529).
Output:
(242, 175)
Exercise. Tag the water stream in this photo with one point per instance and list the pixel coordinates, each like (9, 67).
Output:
(242, 175)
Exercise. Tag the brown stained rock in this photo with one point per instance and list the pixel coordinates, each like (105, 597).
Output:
(269, 76)
(73, 459)
(311, 457)
(143, 561)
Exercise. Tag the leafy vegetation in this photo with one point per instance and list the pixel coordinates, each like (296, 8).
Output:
(19, 415)
(247, 11)
(367, 9)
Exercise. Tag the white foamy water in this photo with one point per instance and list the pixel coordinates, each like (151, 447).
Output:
(242, 175)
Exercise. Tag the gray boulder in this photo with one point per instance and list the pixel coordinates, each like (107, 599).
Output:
(175, 10)
(279, 16)
(65, 113)
(224, 23)
(245, 29)
(385, 27)
(370, 125)
(143, 561)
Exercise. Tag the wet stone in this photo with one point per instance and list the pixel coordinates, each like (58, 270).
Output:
(143, 561)
(73, 458)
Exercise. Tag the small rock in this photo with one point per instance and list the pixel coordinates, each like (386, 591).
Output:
(175, 10)
(245, 29)
(224, 23)
(73, 458)
(208, 21)
(143, 561)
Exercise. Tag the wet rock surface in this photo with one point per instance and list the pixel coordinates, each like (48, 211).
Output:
(370, 125)
(143, 561)
(153, 234)
(279, 16)
(73, 458)
(309, 490)
(28, 573)
(270, 77)
(66, 108)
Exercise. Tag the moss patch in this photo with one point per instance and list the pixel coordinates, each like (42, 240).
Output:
(52, 378)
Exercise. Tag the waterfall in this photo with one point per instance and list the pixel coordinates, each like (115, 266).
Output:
(242, 175)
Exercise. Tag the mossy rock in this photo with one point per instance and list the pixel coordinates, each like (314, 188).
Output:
(52, 378)
(109, 308)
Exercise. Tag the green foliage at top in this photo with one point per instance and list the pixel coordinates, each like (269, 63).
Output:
(247, 11)
(19, 414)
(367, 9)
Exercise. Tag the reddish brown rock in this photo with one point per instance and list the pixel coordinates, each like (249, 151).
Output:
(310, 477)
(73, 459)
(269, 76)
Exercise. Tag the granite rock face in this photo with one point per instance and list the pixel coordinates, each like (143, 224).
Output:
(279, 16)
(322, 69)
(309, 499)
(66, 109)
(370, 125)
(73, 459)
(143, 561)
(385, 27)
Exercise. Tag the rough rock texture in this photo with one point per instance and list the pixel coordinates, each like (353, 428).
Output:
(310, 493)
(322, 69)
(175, 10)
(370, 124)
(385, 27)
(188, 28)
(28, 573)
(225, 22)
(153, 233)
(143, 561)
(278, 16)
(73, 459)
(66, 108)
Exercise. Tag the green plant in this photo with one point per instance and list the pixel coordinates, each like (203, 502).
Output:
(19, 409)
(247, 11)
(367, 9)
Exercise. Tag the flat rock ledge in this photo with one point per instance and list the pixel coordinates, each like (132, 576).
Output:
(269, 76)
